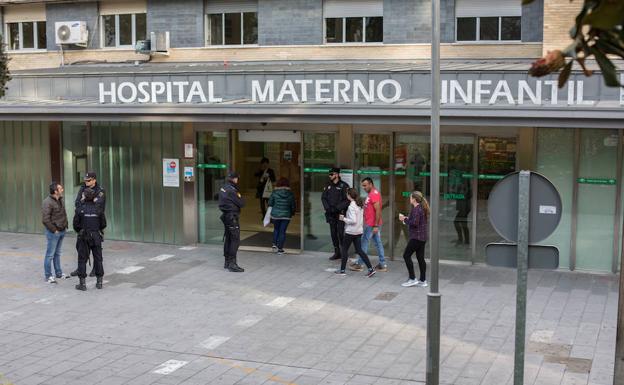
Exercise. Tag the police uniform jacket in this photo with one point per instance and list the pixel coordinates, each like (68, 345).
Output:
(334, 198)
(230, 199)
(89, 221)
(100, 196)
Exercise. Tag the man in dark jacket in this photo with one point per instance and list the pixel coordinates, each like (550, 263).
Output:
(230, 203)
(335, 203)
(54, 218)
(89, 224)
(90, 181)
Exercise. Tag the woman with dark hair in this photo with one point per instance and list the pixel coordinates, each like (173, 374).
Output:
(265, 176)
(354, 227)
(283, 206)
(418, 234)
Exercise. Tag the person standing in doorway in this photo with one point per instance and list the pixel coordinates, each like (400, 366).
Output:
(335, 203)
(372, 225)
(230, 203)
(89, 223)
(54, 218)
(90, 181)
(418, 235)
(265, 176)
(283, 206)
(354, 227)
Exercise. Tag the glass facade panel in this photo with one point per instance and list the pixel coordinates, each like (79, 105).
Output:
(372, 160)
(41, 35)
(374, 29)
(212, 168)
(125, 29)
(466, 28)
(28, 35)
(488, 28)
(74, 161)
(127, 158)
(233, 29)
(25, 175)
(555, 160)
(333, 30)
(596, 199)
(497, 158)
(319, 155)
(511, 28)
(354, 29)
(250, 28)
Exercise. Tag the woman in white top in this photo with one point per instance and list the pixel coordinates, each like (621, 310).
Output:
(354, 227)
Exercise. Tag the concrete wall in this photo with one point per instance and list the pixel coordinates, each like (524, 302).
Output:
(447, 21)
(407, 21)
(533, 21)
(290, 22)
(184, 19)
(87, 11)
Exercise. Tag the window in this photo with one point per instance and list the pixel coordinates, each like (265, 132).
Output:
(123, 30)
(26, 35)
(232, 28)
(354, 29)
(491, 28)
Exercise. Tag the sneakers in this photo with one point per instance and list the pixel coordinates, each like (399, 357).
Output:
(274, 248)
(356, 267)
(62, 276)
(51, 280)
(410, 283)
(370, 273)
(340, 272)
(281, 252)
(382, 268)
(422, 283)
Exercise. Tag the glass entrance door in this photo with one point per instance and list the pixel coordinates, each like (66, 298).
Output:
(283, 152)
(412, 172)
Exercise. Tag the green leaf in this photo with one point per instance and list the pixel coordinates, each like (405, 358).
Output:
(565, 74)
(607, 46)
(607, 15)
(609, 72)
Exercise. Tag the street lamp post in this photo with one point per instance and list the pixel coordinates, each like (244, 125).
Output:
(434, 297)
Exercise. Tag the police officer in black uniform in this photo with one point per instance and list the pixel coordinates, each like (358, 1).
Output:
(89, 224)
(335, 202)
(90, 181)
(230, 203)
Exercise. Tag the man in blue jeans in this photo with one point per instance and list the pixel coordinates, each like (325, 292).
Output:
(372, 225)
(54, 218)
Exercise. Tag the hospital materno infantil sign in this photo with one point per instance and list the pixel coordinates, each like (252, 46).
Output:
(340, 91)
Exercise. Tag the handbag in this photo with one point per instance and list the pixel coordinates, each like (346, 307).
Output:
(268, 189)
(267, 217)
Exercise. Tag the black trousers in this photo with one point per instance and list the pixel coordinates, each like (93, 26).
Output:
(461, 226)
(356, 240)
(263, 205)
(231, 237)
(85, 247)
(336, 228)
(414, 245)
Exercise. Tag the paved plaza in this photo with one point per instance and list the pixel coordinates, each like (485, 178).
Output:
(171, 315)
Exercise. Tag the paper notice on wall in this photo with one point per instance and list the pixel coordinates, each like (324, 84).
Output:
(347, 176)
(171, 172)
(547, 209)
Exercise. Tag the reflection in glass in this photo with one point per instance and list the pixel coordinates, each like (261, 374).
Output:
(466, 28)
(109, 30)
(212, 151)
(488, 28)
(13, 36)
(374, 29)
(511, 28)
(233, 28)
(125, 29)
(28, 35)
(41, 35)
(354, 29)
(333, 30)
(250, 28)
(141, 26)
(215, 28)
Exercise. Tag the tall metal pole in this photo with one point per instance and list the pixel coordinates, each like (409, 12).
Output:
(434, 298)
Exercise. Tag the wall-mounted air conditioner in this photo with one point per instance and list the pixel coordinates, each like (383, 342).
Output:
(71, 32)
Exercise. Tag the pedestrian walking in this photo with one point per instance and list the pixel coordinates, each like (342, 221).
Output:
(418, 234)
(354, 227)
(89, 223)
(90, 181)
(230, 203)
(264, 188)
(54, 218)
(283, 206)
(335, 203)
(372, 225)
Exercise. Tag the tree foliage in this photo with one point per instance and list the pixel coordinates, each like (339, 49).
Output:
(4, 69)
(598, 33)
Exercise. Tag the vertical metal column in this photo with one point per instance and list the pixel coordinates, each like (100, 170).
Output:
(618, 370)
(575, 192)
(434, 298)
(474, 186)
(190, 209)
(524, 188)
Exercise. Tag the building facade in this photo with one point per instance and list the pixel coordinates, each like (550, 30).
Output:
(309, 85)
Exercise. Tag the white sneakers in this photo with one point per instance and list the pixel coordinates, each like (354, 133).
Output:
(414, 282)
(51, 279)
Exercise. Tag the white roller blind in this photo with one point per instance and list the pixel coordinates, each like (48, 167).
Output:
(25, 12)
(346, 8)
(122, 7)
(475, 8)
(231, 6)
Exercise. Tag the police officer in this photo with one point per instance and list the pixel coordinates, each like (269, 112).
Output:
(89, 224)
(230, 203)
(90, 181)
(335, 202)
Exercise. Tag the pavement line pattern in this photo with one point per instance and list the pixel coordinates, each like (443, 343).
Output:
(280, 301)
(170, 366)
(162, 257)
(129, 269)
(213, 342)
(249, 320)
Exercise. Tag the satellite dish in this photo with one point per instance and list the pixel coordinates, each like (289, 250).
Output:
(63, 33)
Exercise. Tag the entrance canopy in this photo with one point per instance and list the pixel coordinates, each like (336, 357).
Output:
(490, 92)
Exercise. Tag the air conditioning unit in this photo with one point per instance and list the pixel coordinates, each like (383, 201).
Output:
(71, 32)
(159, 42)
